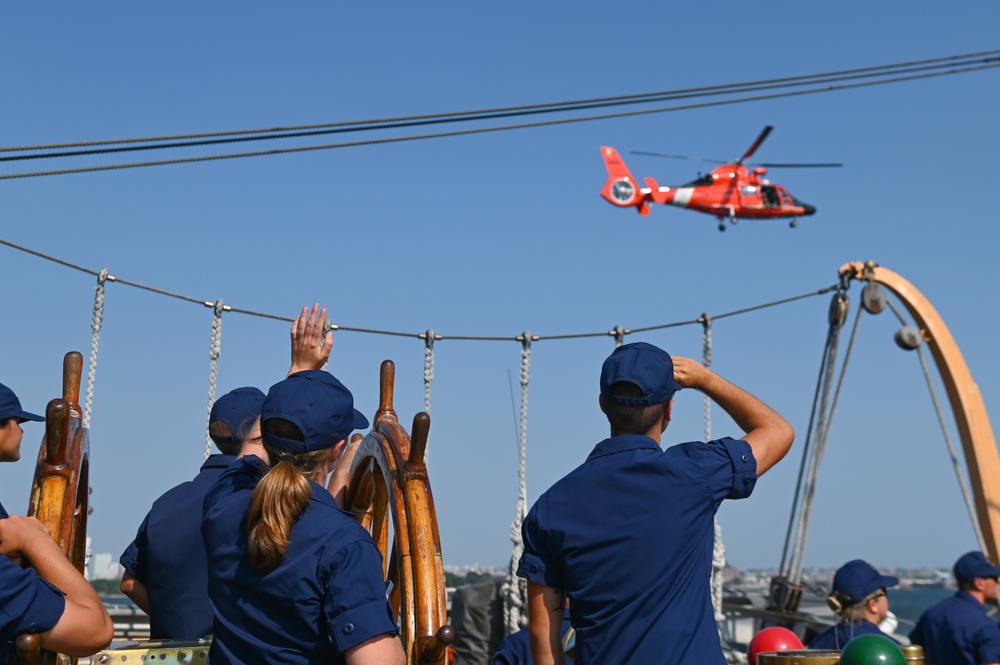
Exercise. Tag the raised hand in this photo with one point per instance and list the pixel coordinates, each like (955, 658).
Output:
(310, 347)
(689, 373)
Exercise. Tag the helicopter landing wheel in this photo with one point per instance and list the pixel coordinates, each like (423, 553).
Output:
(722, 226)
(794, 223)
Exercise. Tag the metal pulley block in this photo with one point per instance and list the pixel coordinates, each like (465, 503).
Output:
(839, 307)
(873, 298)
(909, 338)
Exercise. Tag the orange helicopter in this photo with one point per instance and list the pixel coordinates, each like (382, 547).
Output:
(732, 190)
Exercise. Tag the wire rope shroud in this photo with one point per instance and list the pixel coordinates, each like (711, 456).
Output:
(967, 405)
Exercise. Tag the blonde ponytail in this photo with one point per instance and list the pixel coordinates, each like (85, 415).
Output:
(278, 501)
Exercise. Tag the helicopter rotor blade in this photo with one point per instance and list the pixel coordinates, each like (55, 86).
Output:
(772, 165)
(663, 154)
(756, 144)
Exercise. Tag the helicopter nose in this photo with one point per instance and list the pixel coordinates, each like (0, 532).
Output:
(807, 209)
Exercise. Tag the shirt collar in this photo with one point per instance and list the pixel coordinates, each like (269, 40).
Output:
(620, 444)
(250, 469)
(968, 597)
(218, 462)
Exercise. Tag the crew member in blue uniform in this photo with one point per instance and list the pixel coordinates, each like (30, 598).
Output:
(859, 597)
(51, 598)
(957, 630)
(166, 572)
(293, 578)
(515, 649)
(628, 535)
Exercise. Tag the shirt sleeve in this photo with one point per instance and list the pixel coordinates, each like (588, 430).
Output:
(355, 602)
(28, 604)
(534, 565)
(736, 475)
(133, 559)
(988, 643)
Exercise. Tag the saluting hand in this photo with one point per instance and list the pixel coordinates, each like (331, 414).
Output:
(689, 373)
(310, 347)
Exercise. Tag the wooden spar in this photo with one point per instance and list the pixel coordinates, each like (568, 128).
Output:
(971, 418)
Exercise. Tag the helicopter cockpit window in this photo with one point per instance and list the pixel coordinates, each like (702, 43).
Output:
(748, 190)
(770, 196)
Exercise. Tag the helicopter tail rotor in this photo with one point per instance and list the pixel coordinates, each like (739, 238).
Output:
(621, 188)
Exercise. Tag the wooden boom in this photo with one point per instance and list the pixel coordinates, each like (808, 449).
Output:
(971, 418)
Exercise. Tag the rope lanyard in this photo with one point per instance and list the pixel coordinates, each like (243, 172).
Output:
(428, 369)
(95, 338)
(215, 350)
(706, 360)
(514, 588)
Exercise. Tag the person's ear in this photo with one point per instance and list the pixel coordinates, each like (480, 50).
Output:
(667, 414)
(600, 400)
(335, 453)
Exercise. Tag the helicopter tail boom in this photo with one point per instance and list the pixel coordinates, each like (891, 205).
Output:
(621, 188)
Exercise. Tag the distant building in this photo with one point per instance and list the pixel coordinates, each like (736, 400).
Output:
(105, 567)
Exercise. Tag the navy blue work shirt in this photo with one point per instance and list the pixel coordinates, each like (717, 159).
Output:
(836, 637)
(168, 558)
(629, 536)
(325, 597)
(28, 603)
(515, 649)
(956, 631)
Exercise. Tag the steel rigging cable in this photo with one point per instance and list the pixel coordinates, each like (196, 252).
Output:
(900, 72)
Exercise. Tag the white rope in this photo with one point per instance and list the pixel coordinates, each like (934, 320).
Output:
(428, 368)
(515, 589)
(718, 565)
(718, 547)
(706, 360)
(214, 352)
(428, 378)
(95, 338)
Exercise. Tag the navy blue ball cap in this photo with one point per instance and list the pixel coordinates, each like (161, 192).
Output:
(645, 365)
(857, 579)
(318, 404)
(237, 409)
(972, 565)
(10, 407)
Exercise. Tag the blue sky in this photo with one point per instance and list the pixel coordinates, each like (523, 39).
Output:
(495, 234)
